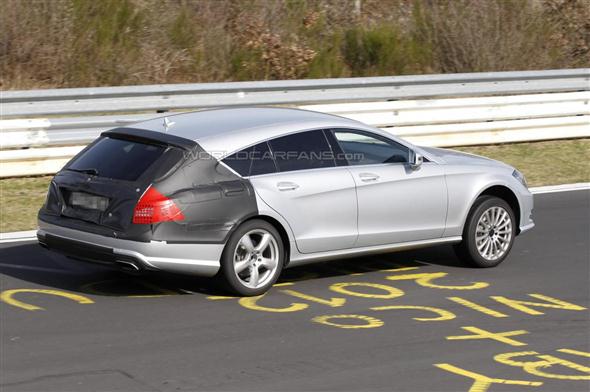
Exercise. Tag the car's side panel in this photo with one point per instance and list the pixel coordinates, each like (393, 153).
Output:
(320, 206)
(398, 204)
(264, 210)
(298, 259)
(466, 183)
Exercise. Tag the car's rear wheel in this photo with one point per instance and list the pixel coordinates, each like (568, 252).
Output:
(488, 234)
(253, 258)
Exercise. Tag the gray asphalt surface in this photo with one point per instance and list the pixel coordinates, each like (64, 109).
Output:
(169, 333)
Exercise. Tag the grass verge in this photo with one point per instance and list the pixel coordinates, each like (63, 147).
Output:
(543, 163)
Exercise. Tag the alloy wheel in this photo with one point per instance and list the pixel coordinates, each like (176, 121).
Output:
(256, 258)
(493, 233)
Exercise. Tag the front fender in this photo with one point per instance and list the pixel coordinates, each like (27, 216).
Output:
(465, 187)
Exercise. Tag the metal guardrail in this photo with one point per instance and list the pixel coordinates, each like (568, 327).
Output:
(186, 96)
(442, 110)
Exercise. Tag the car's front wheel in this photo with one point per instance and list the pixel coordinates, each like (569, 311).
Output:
(253, 258)
(488, 234)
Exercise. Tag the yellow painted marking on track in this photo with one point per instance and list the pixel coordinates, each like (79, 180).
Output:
(283, 284)
(333, 302)
(482, 383)
(7, 296)
(400, 269)
(425, 280)
(538, 367)
(477, 307)
(252, 304)
(331, 270)
(525, 306)
(552, 361)
(443, 314)
(343, 288)
(497, 336)
(506, 358)
(574, 352)
(370, 322)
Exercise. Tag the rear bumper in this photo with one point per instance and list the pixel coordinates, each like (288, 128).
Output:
(197, 259)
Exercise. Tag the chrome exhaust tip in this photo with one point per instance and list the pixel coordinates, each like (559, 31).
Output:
(128, 265)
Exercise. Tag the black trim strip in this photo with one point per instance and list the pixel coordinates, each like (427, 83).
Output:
(143, 135)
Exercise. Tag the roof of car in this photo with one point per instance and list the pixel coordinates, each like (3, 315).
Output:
(224, 131)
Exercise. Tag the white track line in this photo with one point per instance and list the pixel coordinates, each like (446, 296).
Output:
(560, 188)
(31, 234)
(18, 236)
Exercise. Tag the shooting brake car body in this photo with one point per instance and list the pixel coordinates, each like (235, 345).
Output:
(243, 192)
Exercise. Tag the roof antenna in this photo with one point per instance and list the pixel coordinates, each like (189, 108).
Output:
(167, 124)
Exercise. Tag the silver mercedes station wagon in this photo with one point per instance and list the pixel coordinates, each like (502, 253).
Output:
(242, 193)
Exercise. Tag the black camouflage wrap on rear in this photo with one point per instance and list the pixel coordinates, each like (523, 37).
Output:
(212, 198)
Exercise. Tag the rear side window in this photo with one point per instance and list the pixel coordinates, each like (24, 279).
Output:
(363, 148)
(118, 159)
(302, 151)
(252, 161)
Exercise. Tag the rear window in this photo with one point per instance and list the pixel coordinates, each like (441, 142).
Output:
(118, 159)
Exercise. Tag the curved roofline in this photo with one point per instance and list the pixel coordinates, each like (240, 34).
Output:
(236, 107)
(233, 119)
(223, 131)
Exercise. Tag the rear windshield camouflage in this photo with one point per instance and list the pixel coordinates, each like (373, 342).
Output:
(117, 158)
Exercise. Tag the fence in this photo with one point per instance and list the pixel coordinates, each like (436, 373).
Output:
(42, 129)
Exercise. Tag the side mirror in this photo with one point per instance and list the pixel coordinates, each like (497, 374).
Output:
(416, 161)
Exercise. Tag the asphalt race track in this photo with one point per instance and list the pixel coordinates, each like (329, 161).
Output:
(412, 321)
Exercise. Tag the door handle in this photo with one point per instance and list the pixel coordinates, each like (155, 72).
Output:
(368, 177)
(287, 186)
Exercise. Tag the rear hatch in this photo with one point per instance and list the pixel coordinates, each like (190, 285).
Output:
(99, 188)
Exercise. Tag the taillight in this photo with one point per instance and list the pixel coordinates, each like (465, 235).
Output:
(153, 207)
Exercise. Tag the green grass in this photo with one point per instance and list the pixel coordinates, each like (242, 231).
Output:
(543, 163)
(21, 198)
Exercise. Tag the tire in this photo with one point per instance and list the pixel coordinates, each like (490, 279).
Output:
(243, 255)
(492, 220)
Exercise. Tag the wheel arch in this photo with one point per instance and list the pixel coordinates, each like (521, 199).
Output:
(282, 232)
(506, 194)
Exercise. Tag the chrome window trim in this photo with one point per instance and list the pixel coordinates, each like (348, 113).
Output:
(337, 127)
(390, 137)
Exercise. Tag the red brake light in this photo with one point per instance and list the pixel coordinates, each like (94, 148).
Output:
(153, 207)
